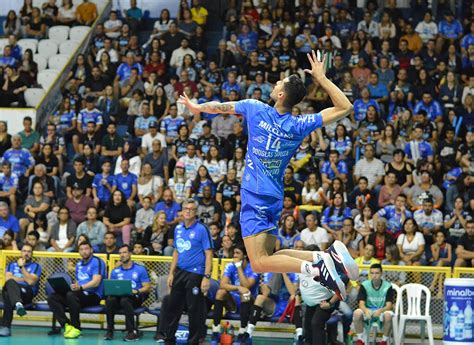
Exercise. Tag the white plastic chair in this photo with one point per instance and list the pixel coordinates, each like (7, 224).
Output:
(414, 295)
(46, 78)
(58, 61)
(77, 33)
(47, 48)
(28, 43)
(68, 47)
(33, 97)
(396, 312)
(58, 33)
(40, 61)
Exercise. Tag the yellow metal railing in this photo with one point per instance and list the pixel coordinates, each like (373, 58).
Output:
(463, 272)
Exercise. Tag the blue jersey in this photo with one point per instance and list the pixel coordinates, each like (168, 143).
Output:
(453, 173)
(21, 160)
(8, 182)
(360, 108)
(273, 140)
(144, 123)
(124, 70)
(170, 125)
(7, 61)
(467, 41)
(137, 274)
(11, 223)
(326, 169)
(433, 109)
(103, 193)
(341, 145)
(450, 30)
(85, 271)
(335, 220)
(64, 120)
(394, 224)
(228, 87)
(424, 148)
(191, 243)
(31, 267)
(248, 42)
(125, 183)
(231, 272)
(85, 116)
(171, 211)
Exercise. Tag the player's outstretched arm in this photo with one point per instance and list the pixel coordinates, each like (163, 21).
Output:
(342, 105)
(209, 107)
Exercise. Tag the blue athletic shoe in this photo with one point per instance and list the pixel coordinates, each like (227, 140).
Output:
(343, 260)
(329, 278)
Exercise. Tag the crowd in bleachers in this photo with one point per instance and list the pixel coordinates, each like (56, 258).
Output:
(120, 154)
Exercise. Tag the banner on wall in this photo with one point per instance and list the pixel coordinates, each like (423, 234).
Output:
(458, 305)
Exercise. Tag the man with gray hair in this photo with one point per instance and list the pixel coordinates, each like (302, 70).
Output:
(190, 274)
(47, 181)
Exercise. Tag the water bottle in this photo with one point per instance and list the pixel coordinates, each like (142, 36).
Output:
(459, 332)
(447, 319)
(453, 313)
(468, 321)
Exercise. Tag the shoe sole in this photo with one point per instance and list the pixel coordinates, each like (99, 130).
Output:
(342, 256)
(341, 293)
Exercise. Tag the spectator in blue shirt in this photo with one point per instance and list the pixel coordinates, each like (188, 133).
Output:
(431, 106)
(20, 159)
(171, 123)
(89, 114)
(467, 40)
(7, 59)
(126, 182)
(377, 90)
(418, 148)
(8, 186)
(306, 42)
(229, 85)
(22, 281)
(262, 85)
(333, 168)
(170, 207)
(449, 29)
(142, 122)
(138, 276)
(102, 185)
(87, 291)
(334, 216)
(362, 104)
(395, 215)
(125, 68)
(247, 39)
(208, 97)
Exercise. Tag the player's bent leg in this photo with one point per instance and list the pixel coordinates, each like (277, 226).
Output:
(359, 321)
(387, 323)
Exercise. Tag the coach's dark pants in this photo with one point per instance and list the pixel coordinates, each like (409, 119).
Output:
(12, 294)
(186, 292)
(315, 320)
(125, 303)
(74, 300)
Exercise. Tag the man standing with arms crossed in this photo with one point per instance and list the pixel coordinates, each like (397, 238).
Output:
(274, 136)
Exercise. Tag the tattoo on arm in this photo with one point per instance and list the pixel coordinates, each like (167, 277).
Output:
(216, 107)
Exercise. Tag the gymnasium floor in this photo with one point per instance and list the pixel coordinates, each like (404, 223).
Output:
(24, 335)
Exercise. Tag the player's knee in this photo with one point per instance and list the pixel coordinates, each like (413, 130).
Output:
(257, 266)
(220, 294)
(387, 316)
(358, 314)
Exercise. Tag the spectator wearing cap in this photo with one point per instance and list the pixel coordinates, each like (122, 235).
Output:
(305, 42)
(63, 233)
(112, 143)
(125, 69)
(418, 148)
(78, 203)
(329, 35)
(152, 135)
(89, 114)
(449, 29)
(262, 85)
(178, 54)
(424, 189)
(431, 106)
(142, 122)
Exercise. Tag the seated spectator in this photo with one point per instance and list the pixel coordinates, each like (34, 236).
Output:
(86, 13)
(177, 183)
(351, 238)
(429, 220)
(112, 26)
(13, 88)
(49, 187)
(107, 56)
(312, 193)
(288, 234)
(313, 234)
(143, 219)
(363, 222)
(396, 215)
(78, 204)
(36, 27)
(34, 204)
(401, 169)
(208, 209)
(427, 28)
(91, 159)
(333, 216)
(93, 228)
(5, 138)
(455, 222)
(29, 137)
(229, 214)
(117, 216)
(152, 135)
(361, 195)
(126, 183)
(392, 258)
(389, 191)
(149, 185)
(333, 168)
(411, 244)
(9, 242)
(375, 301)
(171, 207)
(431, 106)
(67, 13)
(465, 248)
(63, 233)
(28, 69)
(170, 124)
(180, 144)
(142, 122)
(8, 221)
(387, 144)
(12, 24)
(8, 186)
(441, 252)
(89, 114)
(130, 154)
(109, 245)
(102, 185)
(420, 191)
(380, 239)
(366, 258)
(238, 288)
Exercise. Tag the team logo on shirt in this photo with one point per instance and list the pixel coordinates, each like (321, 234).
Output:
(183, 245)
(192, 234)
(135, 276)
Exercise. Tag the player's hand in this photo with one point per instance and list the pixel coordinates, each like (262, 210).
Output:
(325, 305)
(193, 107)
(368, 313)
(205, 286)
(318, 66)
(170, 280)
(377, 313)
(75, 287)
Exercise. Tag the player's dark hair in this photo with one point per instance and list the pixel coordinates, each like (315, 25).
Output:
(376, 266)
(294, 91)
(126, 246)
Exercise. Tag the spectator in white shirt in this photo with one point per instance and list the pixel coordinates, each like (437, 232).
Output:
(114, 58)
(113, 26)
(368, 25)
(147, 139)
(427, 28)
(429, 219)
(370, 167)
(314, 234)
(178, 54)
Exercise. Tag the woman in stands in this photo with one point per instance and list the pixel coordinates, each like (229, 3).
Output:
(67, 13)
(28, 68)
(106, 66)
(5, 138)
(12, 24)
(288, 233)
(81, 71)
(13, 88)
(177, 183)
(117, 216)
(160, 105)
(36, 27)
(49, 160)
(411, 244)
(149, 185)
(26, 12)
